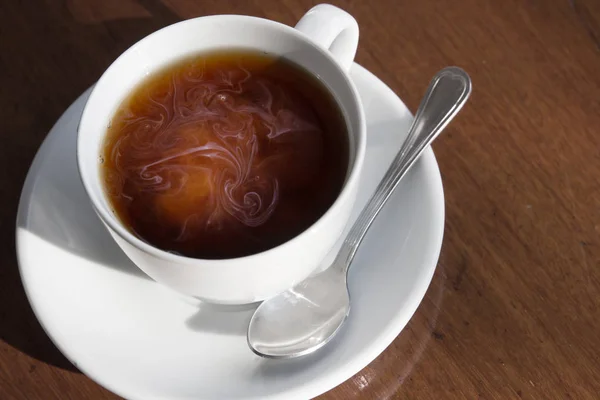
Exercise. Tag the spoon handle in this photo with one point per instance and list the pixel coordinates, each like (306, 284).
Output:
(445, 96)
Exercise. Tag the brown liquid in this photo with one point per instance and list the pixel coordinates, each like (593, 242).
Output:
(225, 155)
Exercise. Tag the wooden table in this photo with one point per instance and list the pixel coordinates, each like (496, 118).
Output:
(514, 308)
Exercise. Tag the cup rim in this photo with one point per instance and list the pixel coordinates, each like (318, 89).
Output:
(117, 227)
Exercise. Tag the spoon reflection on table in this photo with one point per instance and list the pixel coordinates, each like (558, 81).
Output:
(304, 318)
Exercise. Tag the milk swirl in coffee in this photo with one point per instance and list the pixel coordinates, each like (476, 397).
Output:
(225, 155)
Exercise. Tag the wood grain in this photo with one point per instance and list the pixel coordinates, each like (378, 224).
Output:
(513, 309)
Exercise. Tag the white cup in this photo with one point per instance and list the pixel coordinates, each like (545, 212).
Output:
(324, 42)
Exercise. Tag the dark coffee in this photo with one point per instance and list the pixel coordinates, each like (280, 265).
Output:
(225, 155)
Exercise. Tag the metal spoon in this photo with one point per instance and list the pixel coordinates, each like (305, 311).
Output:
(305, 317)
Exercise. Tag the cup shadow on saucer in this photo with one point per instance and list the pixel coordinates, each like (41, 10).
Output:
(222, 319)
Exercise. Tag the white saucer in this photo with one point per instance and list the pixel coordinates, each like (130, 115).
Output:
(143, 341)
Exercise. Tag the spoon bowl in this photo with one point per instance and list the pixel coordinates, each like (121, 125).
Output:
(312, 312)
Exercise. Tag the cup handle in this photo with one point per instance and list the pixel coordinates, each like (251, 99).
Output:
(333, 29)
